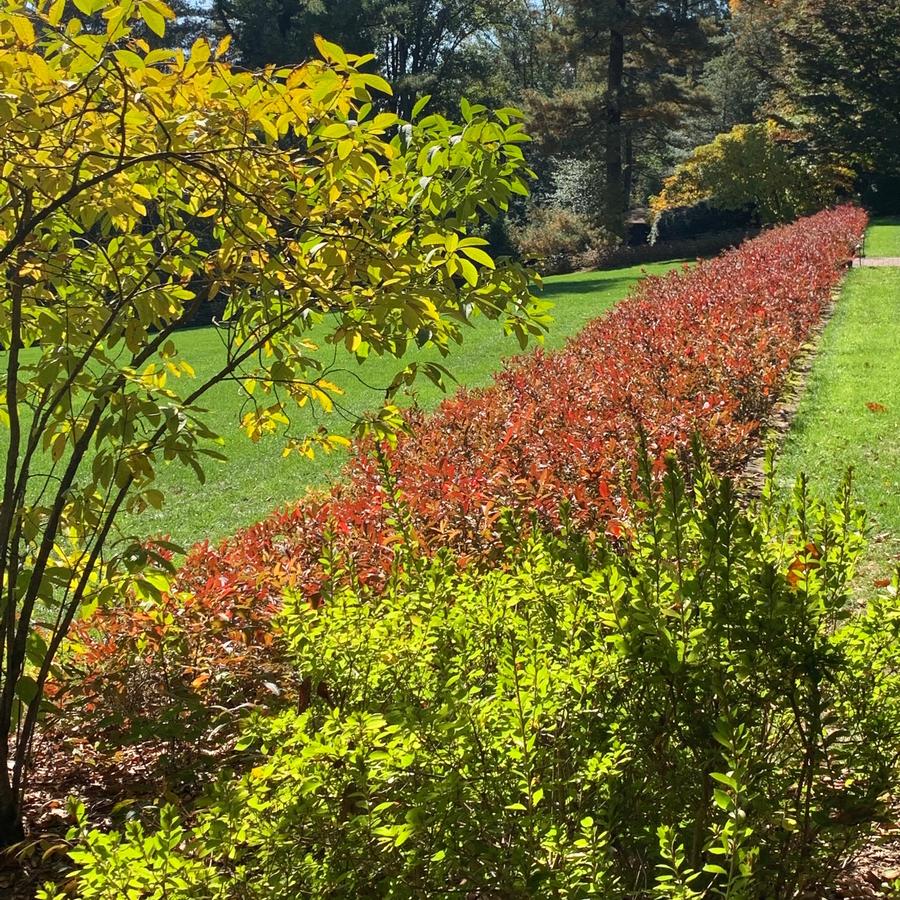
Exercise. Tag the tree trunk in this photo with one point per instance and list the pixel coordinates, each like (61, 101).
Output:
(628, 175)
(11, 829)
(615, 186)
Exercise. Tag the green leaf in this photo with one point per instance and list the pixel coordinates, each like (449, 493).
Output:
(420, 104)
(26, 689)
(479, 256)
(469, 272)
(155, 20)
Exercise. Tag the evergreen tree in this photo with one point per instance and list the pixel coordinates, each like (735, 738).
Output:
(638, 76)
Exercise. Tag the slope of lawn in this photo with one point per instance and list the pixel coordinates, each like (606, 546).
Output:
(256, 478)
(883, 237)
(850, 414)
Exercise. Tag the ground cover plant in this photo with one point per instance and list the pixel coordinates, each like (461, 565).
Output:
(702, 352)
(850, 412)
(136, 185)
(687, 711)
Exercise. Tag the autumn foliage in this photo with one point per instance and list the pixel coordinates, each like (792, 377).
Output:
(704, 351)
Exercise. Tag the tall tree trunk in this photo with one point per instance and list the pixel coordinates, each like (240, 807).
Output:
(628, 175)
(11, 830)
(615, 186)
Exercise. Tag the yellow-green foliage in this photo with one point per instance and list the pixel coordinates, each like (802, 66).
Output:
(750, 166)
(690, 716)
(136, 186)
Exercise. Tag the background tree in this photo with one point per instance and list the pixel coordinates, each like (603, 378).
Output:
(842, 81)
(742, 75)
(420, 46)
(752, 166)
(634, 80)
(136, 185)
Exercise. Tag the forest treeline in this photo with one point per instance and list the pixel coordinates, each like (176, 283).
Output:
(619, 94)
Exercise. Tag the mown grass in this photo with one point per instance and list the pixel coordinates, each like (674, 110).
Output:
(883, 237)
(850, 413)
(256, 479)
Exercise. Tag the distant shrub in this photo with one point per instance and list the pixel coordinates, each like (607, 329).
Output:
(689, 712)
(559, 240)
(689, 222)
(756, 167)
(704, 351)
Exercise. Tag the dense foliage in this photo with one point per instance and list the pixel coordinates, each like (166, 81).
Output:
(754, 167)
(560, 240)
(137, 185)
(688, 712)
(841, 82)
(704, 351)
(625, 89)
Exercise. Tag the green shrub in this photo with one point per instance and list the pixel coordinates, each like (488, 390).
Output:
(693, 712)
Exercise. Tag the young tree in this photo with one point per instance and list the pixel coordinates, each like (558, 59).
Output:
(137, 185)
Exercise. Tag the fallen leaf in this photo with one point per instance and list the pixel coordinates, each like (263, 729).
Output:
(876, 407)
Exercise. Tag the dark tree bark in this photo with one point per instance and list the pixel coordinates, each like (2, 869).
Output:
(615, 182)
(11, 829)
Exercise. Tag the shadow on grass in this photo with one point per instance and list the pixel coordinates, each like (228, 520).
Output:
(583, 286)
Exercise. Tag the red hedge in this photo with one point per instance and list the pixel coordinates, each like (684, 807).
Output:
(703, 350)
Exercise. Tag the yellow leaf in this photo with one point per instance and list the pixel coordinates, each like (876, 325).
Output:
(329, 51)
(470, 273)
(129, 59)
(329, 386)
(376, 82)
(39, 67)
(200, 51)
(479, 256)
(154, 19)
(24, 29)
(56, 12)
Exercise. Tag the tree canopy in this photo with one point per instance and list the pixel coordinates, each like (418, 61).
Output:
(750, 166)
(138, 184)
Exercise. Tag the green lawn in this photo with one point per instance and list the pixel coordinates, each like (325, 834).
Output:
(256, 479)
(883, 237)
(850, 414)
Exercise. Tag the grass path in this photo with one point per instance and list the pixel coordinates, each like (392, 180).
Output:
(850, 414)
(256, 479)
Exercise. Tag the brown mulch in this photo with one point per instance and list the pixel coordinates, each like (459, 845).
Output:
(107, 782)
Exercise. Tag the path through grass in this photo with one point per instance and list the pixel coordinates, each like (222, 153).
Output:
(850, 414)
(256, 479)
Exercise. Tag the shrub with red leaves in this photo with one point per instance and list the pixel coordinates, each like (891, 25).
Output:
(702, 352)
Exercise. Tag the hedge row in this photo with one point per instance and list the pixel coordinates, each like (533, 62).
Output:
(703, 351)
